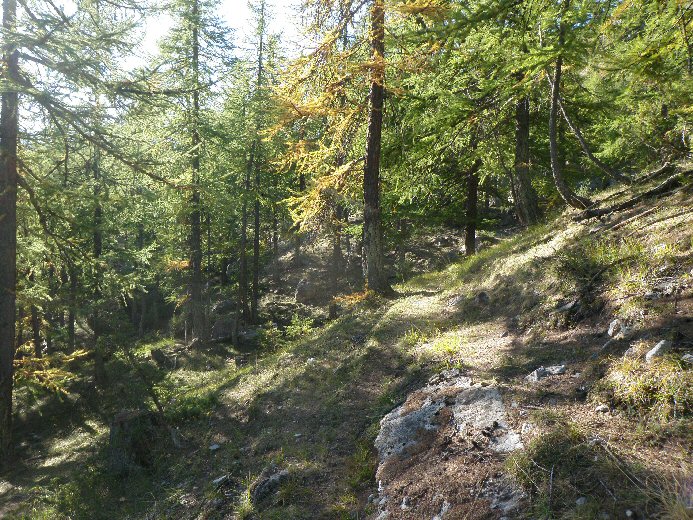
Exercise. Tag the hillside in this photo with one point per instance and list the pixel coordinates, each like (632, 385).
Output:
(288, 430)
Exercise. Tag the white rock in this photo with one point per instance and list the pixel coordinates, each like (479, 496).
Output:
(581, 501)
(214, 447)
(614, 327)
(556, 370)
(536, 375)
(220, 480)
(526, 428)
(629, 513)
(659, 350)
(687, 358)
(602, 408)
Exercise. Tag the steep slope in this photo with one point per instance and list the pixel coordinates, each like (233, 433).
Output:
(291, 434)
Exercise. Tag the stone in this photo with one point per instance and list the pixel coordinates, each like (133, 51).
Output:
(220, 480)
(214, 447)
(614, 327)
(224, 307)
(687, 358)
(632, 352)
(471, 406)
(443, 510)
(526, 428)
(568, 306)
(629, 513)
(222, 329)
(556, 370)
(133, 439)
(406, 504)
(581, 501)
(602, 408)
(160, 358)
(269, 481)
(482, 298)
(536, 375)
(658, 351)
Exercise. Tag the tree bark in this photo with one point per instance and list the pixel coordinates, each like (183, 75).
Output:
(374, 257)
(570, 198)
(471, 208)
(255, 291)
(72, 308)
(8, 228)
(526, 205)
(97, 244)
(198, 319)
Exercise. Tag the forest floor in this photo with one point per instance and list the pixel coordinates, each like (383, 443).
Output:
(312, 399)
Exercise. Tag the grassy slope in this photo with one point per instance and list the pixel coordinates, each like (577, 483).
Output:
(312, 403)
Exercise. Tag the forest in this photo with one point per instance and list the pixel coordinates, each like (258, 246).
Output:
(228, 262)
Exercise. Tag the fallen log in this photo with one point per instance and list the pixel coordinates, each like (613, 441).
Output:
(675, 181)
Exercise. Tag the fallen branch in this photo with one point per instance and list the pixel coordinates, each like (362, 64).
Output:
(671, 183)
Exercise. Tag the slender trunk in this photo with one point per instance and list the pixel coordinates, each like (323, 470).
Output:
(297, 241)
(36, 331)
(99, 365)
(525, 198)
(583, 142)
(337, 259)
(471, 208)
(72, 309)
(255, 291)
(570, 198)
(20, 328)
(243, 262)
(198, 321)
(8, 228)
(275, 244)
(373, 258)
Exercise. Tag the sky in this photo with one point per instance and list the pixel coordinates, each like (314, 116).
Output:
(283, 19)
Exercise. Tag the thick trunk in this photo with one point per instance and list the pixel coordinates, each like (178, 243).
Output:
(373, 258)
(471, 208)
(8, 231)
(525, 198)
(198, 319)
(570, 198)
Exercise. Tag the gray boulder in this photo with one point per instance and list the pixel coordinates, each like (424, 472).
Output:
(659, 350)
(267, 483)
(222, 329)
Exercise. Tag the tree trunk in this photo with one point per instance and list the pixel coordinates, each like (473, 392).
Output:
(36, 331)
(570, 198)
(72, 309)
(374, 257)
(255, 293)
(99, 365)
(471, 208)
(526, 206)
(198, 320)
(8, 228)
